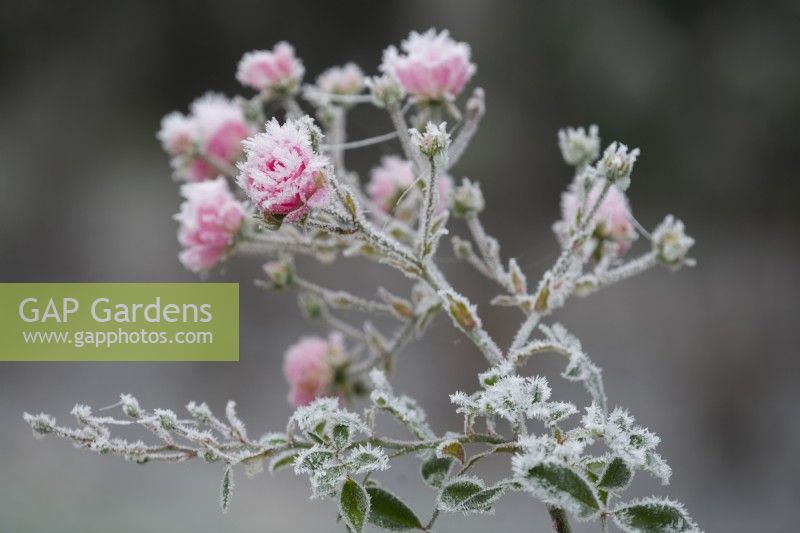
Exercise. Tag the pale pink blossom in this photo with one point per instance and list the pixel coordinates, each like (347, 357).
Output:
(310, 367)
(209, 137)
(277, 71)
(283, 174)
(431, 66)
(390, 182)
(209, 220)
(177, 133)
(221, 127)
(344, 80)
(614, 218)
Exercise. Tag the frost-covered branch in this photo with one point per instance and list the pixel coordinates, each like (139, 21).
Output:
(296, 197)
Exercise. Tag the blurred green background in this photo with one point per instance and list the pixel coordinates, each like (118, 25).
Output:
(707, 357)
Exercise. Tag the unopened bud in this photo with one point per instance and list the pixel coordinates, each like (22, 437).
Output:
(617, 164)
(578, 147)
(385, 91)
(279, 273)
(433, 141)
(672, 244)
(467, 200)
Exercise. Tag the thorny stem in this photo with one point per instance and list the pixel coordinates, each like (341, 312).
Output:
(582, 233)
(293, 109)
(362, 143)
(476, 108)
(400, 125)
(426, 223)
(341, 299)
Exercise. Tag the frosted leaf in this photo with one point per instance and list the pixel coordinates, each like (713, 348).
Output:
(547, 469)
(226, 490)
(234, 420)
(403, 408)
(579, 367)
(633, 443)
(468, 495)
(313, 459)
(41, 424)
(130, 406)
(654, 514)
(366, 458)
(326, 481)
(167, 419)
(495, 373)
(272, 439)
(323, 414)
(552, 413)
(200, 412)
(282, 460)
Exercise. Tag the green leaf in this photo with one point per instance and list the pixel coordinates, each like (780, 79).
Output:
(354, 505)
(654, 516)
(482, 501)
(468, 495)
(340, 435)
(226, 490)
(282, 460)
(457, 491)
(314, 460)
(389, 512)
(616, 476)
(560, 485)
(435, 470)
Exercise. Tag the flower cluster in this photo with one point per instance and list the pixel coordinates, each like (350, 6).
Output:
(306, 200)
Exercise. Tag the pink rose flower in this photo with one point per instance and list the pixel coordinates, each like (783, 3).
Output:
(388, 182)
(393, 177)
(432, 66)
(209, 220)
(283, 174)
(277, 71)
(176, 134)
(613, 216)
(310, 366)
(213, 131)
(221, 127)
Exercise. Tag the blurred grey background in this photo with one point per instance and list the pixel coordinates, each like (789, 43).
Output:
(707, 357)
